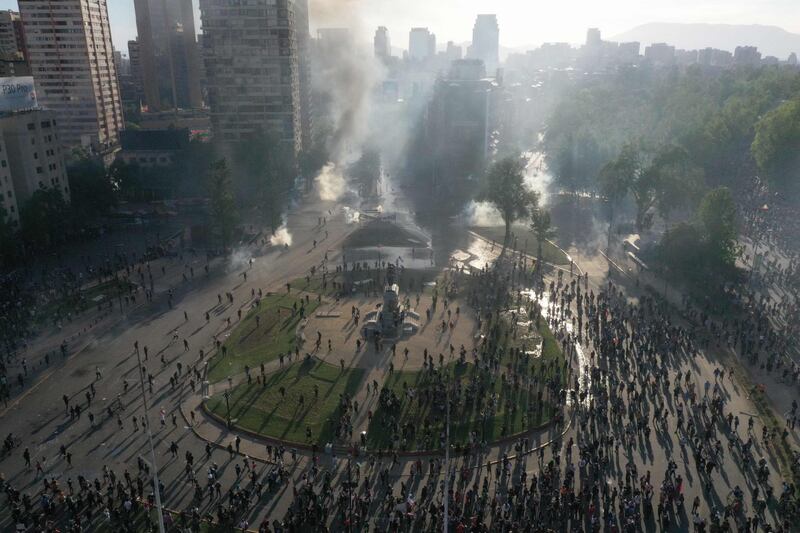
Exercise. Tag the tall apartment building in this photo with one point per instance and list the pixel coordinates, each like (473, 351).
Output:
(134, 55)
(71, 57)
(381, 43)
(31, 158)
(255, 70)
(660, 53)
(747, 55)
(486, 42)
(421, 44)
(12, 37)
(169, 54)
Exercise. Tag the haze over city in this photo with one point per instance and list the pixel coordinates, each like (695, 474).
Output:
(367, 266)
(524, 23)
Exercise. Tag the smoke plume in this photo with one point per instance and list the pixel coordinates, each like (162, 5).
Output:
(482, 214)
(282, 237)
(332, 185)
(346, 72)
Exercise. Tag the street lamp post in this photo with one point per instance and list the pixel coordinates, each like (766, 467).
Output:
(447, 459)
(228, 407)
(349, 498)
(156, 483)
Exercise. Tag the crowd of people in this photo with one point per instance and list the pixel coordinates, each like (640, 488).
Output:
(642, 427)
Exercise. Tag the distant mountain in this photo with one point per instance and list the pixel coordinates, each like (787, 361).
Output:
(770, 40)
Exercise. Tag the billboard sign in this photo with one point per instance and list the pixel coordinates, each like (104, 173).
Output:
(17, 94)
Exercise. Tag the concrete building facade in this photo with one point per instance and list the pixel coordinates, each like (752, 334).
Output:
(254, 68)
(31, 158)
(421, 44)
(71, 56)
(382, 44)
(486, 42)
(169, 55)
(12, 36)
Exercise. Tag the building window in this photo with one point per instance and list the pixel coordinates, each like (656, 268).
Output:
(39, 170)
(31, 126)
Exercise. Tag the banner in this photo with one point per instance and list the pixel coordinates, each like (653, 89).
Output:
(17, 94)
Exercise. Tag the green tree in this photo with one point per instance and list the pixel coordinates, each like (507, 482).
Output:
(616, 180)
(682, 250)
(8, 231)
(223, 204)
(542, 228)
(717, 214)
(775, 147)
(44, 218)
(677, 180)
(93, 193)
(505, 190)
(273, 199)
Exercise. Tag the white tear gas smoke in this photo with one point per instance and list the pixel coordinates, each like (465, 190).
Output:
(346, 72)
(482, 214)
(536, 179)
(537, 176)
(332, 185)
(240, 258)
(282, 237)
(351, 216)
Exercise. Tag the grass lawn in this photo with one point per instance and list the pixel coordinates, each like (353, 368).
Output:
(263, 409)
(488, 404)
(313, 284)
(249, 345)
(550, 253)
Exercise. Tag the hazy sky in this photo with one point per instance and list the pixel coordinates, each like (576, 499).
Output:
(522, 22)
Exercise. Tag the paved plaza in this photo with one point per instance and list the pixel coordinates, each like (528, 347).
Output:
(598, 446)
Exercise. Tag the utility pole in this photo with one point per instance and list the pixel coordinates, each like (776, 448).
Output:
(445, 520)
(156, 483)
(228, 407)
(349, 499)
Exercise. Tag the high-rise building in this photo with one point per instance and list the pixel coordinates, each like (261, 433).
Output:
(254, 68)
(12, 36)
(421, 44)
(30, 152)
(303, 38)
(453, 51)
(593, 37)
(486, 42)
(628, 52)
(382, 44)
(71, 56)
(746, 55)
(660, 53)
(134, 56)
(169, 54)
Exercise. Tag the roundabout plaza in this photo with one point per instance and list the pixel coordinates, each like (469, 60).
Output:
(374, 357)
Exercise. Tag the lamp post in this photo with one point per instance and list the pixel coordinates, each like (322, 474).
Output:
(156, 483)
(228, 407)
(445, 519)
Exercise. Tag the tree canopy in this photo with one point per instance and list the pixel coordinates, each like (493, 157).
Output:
(223, 203)
(776, 147)
(506, 191)
(713, 116)
(717, 213)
